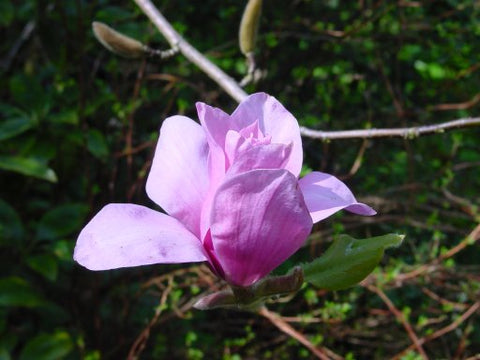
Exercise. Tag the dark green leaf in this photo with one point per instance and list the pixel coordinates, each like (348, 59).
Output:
(11, 228)
(47, 347)
(96, 144)
(44, 264)
(27, 166)
(7, 12)
(65, 117)
(348, 261)
(15, 291)
(14, 127)
(61, 221)
(16, 122)
(28, 93)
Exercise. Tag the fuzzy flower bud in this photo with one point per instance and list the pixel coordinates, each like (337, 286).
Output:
(249, 26)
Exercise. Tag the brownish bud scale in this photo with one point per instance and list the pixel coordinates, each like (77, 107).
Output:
(252, 297)
(280, 285)
(224, 298)
(249, 26)
(118, 43)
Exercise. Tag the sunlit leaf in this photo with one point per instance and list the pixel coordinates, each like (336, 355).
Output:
(48, 346)
(348, 261)
(27, 166)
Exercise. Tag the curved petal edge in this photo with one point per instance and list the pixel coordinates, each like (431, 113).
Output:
(125, 235)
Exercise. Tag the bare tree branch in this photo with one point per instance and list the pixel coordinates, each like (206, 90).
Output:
(407, 133)
(192, 54)
(237, 93)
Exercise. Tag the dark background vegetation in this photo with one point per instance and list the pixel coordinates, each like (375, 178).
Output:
(78, 128)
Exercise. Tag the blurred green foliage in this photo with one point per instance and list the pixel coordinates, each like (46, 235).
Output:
(78, 128)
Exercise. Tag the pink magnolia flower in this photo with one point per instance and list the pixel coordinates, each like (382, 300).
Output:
(231, 191)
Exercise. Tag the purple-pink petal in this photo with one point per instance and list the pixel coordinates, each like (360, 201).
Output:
(275, 121)
(258, 220)
(324, 195)
(179, 178)
(271, 156)
(124, 235)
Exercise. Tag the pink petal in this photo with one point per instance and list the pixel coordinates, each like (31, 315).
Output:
(258, 220)
(178, 180)
(271, 156)
(216, 124)
(325, 195)
(275, 121)
(123, 235)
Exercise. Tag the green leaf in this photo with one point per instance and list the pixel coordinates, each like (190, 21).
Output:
(65, 117)
(61, 221)
(28, 93)
(7, 12)
(27, 166)
(11, 228)
(48, 346)
(15, 291)
(44, 264)
(96, 144)
(348, 261)
(17, 122)
(14, 127)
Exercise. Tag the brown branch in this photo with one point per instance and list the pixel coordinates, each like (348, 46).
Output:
(407, 133)
(140, 342)
(321, 353)
(455, 324)
(473, 237)
(401, 318)
(457, 106)
(236, 92)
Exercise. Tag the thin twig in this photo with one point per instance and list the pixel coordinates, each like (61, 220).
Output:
(400, 317)
(141, 340)
(192, 54)
(455, 324)
(321, 353)
(236, 92)
(473, 237)
(407, 133)
(25, 35)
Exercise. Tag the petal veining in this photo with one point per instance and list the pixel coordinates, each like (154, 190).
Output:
(124, 235)
(179, 178)
(325, 195)
(258, 220)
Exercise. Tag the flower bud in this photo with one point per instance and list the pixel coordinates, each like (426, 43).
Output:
(224, 298)
(280, 285)
(118, 43)
(249, 26)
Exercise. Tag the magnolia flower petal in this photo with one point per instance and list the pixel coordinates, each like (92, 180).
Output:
(246, 157)
(275, 121)
(179, 179)
(216, 124)
(271, 156)
(258, 220)
(124, 235)
(325, 195)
